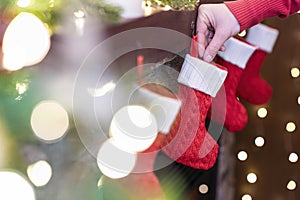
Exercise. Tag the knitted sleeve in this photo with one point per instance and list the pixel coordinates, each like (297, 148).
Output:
(251, 12)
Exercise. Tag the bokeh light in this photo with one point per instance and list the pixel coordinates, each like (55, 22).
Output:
(13, 186)
(134, 128)
(251, 177)
(295, 72)
(293, 157)
(290, 127)
(242, 155)
(23, 3)
(49, 121)
(113, 161)
(246, 197)
(203, 188)
(291, 185)
(39, 173)
(26, 42)
(262, 112)
(259, 141)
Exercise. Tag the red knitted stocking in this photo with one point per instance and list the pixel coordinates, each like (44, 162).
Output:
(234, 59)
(252, 87)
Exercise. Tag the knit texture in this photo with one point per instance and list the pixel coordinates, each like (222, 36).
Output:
(251, 12)
(236, 114)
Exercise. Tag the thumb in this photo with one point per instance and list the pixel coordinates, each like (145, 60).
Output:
(214, 46)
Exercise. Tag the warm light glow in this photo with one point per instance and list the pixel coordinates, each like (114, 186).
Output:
(203, 188)
(14, 187)
(49, 121)
(101, 91)
(23, 3)
(113, 161)
(243, 33)
(293, 157)
(251, 178)
(291, 185)
(295, 72)
(259, 141)
(262, 112)
(242, 155)
(79, 14)
(26, 42)
(134, 128)
(39, 173)
(246, 197)
(290, 127)
(299, 100)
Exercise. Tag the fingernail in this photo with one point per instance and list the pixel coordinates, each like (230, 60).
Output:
(208, 58)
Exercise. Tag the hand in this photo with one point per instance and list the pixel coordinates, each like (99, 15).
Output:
(215, 24)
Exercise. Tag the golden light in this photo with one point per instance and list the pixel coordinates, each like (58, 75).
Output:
(295, 72)
(262, 112)
(243, 33)
(134, 128)
(242, 155)
(15, 187)
(291, 185)
(246, 197)
(293, 157)
(23, 3)
(203, 188)
(26, 42)
(115, 162)
(290, 127)
(49, 121)
(39, 173)
(259, 141)
(251, 178)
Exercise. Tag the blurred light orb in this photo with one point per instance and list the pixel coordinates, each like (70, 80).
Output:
(262, 112)
(291, 185)
(295, 72)
(293, 157)
(242, 155)
(259, 141)
(39, 173)
(49, 121)
(14, 187)
(290, 127)
(26, 42)
(203, 188)
(113, 162)
(23, 3)
(251, 178)
(246, 197)
(134, 128)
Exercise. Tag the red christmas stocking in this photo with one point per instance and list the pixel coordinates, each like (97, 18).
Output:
(252, 87)
(188, 141)
(234, 59)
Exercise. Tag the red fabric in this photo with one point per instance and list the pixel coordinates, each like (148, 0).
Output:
(251, 12)
(252, 88)
(236, 116)
(188, 141)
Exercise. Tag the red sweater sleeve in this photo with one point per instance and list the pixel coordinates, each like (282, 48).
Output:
(251, 12)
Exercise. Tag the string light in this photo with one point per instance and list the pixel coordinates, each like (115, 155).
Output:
(290, 127)
(242, 155)
(39, 173)
(259, 141)
(134, 128)
(114, 162)
(291, 185)
(251, 177)
(203, 188)
(295, 72)
(293, 157)
(49, 121)
(13, 186)
(246, 197)
(262, 112)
